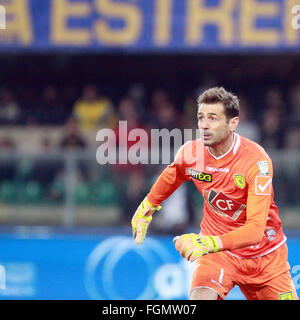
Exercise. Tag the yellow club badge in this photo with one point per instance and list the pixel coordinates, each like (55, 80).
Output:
(286, 296)
(239, 180)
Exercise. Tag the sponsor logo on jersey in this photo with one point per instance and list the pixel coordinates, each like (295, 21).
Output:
(222, 170)
(239, 180)
(263, 168)
(225, 205)
(205, 177)
(286, 296)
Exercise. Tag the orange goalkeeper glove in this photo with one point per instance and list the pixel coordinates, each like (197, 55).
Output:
(191, 246)
(142, 219)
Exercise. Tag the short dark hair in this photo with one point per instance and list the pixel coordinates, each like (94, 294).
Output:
(219, 94)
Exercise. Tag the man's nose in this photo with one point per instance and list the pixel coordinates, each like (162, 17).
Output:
(203, 124)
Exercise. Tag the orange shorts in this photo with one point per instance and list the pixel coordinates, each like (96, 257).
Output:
(262, 278)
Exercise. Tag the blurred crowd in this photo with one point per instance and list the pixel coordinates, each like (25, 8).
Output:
(274, 121)
(269, 116)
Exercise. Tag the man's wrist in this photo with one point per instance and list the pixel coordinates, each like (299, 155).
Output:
(152, 200)
(219, 242)
(214, 243)
(227, 242)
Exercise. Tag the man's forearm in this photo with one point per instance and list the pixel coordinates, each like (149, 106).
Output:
(247, 235)
(169, 180)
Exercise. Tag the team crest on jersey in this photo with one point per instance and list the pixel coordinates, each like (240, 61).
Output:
(263, 168)
(239, 180)
(205, 177)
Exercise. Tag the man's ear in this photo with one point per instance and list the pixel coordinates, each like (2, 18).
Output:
(233, 123)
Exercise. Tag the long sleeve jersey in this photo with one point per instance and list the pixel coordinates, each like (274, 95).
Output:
(238, 194)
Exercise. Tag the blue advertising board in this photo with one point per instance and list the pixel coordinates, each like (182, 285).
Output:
(150, 25)
(109, 267)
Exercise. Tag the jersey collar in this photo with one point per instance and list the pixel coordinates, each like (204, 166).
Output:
(234, 147)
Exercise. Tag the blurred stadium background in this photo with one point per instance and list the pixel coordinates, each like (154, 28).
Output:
(70, 68)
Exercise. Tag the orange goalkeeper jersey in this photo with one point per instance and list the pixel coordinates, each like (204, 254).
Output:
(238, 194)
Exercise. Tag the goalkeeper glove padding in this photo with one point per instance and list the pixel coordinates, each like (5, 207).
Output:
(142, 219)
(191, 246)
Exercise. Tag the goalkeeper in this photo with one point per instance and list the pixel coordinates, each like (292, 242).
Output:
(241, 241)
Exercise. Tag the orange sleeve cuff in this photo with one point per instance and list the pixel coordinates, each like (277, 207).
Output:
(227, 242)
(152, 200)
